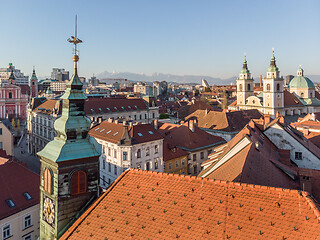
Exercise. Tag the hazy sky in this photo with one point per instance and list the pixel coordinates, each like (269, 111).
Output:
(197, 37)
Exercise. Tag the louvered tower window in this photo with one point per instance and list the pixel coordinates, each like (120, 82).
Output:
(78, 183)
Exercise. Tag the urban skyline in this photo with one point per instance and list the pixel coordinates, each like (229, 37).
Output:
(206, 38)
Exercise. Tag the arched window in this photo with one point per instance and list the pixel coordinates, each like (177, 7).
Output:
(78, 182)
(10, 95)
(278, 87)
(310, 95)
(268, 87)
(249, 87)
(302, 95)
(48, 181)
(240, 87)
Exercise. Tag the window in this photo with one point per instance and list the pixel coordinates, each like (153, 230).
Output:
(10, 95)
(115, 170)
(147, 151)
(183, 162)
(27, 196)
(103, 164)
(310, 97)
(177, 163)
(209, 151)
(189, 168)
(104, 180)
(145, 116)
(249, 87)
(302, 95)
(48, 181)
(109, 167)
(156, 164)
(125, 156)
(109, 152)
(298, 155)
(27, 221)
(148, 166)
(278, 86)
(28, 237)
(194, 156)
(6, 231)
(170, 166)
(78, 182)
(195, 169)
(268, 87)
(115, 153)
(0, 131)
(1, 145)
(139, 153)
(153, 115)
(140, 116)
(240, 87)
(156, 149)
(138, 166)
(202, 155)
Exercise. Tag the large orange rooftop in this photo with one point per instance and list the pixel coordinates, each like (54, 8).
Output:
(150, 205)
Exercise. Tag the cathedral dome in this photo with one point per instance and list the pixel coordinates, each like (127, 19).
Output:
(301, 81)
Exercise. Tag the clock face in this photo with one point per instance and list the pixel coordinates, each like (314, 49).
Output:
(48, 211)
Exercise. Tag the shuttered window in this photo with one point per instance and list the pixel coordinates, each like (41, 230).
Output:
(78, 183)
(47, 181)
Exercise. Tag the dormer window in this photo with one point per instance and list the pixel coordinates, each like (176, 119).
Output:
(10, 203)
(27, 196)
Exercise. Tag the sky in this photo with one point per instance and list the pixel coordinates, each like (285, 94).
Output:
(183, 37)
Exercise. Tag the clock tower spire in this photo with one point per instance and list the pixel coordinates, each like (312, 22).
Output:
(69, 163)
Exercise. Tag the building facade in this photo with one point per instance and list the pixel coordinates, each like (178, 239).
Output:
(6, 72)
(125, 145)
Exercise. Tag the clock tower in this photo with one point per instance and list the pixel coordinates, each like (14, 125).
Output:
(245, 85)
(69, 163)
(273, 96)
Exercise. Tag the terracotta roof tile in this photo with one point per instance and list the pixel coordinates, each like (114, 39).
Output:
(183, 137)
(291, 100)
(113, 132)
(224, 121)
(142, 204)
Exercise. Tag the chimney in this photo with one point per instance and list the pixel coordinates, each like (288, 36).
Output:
(266, 119)
(195, 122)
(191, 125)
(155, 124)
(206, 112)
(281, 119)
(110, 120)
(130, 124)
(260, 80)
(305, 181)
(305, 132)
(116, 121)
(124, 123)
(100, 119)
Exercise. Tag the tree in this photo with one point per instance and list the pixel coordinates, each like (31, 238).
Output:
(163, 116)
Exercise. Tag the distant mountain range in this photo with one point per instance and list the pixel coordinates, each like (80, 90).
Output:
(165, 77)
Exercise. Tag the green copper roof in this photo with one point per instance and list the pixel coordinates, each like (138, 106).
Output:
(273, 66)
(301, 82)
(245, 67)
(49, 91)
(72, 141)
(34, 76)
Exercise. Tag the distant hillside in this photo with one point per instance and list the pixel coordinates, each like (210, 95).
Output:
(165, 77)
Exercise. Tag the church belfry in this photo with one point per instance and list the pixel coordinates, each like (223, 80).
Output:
(245, 85)
(69, 163)
(273, 96)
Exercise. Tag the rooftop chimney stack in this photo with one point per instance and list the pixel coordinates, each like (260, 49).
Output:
(155, 124)
(191, 125)
(267, 119)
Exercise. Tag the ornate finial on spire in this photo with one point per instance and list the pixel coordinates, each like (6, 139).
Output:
(75, 40)
(272, 50)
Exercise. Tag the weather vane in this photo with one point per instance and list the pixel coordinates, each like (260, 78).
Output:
(74, 39)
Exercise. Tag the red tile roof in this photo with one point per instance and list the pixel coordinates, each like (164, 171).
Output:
(183, 137)
(291, 100)
(115, 104)
(48, 106)
(113, 132)
(143, 204)
(192, 107)
(15, 180)
(224, 121)
(171, 151)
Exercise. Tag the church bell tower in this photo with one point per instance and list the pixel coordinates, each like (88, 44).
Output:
(69, 163)
(245, 85)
